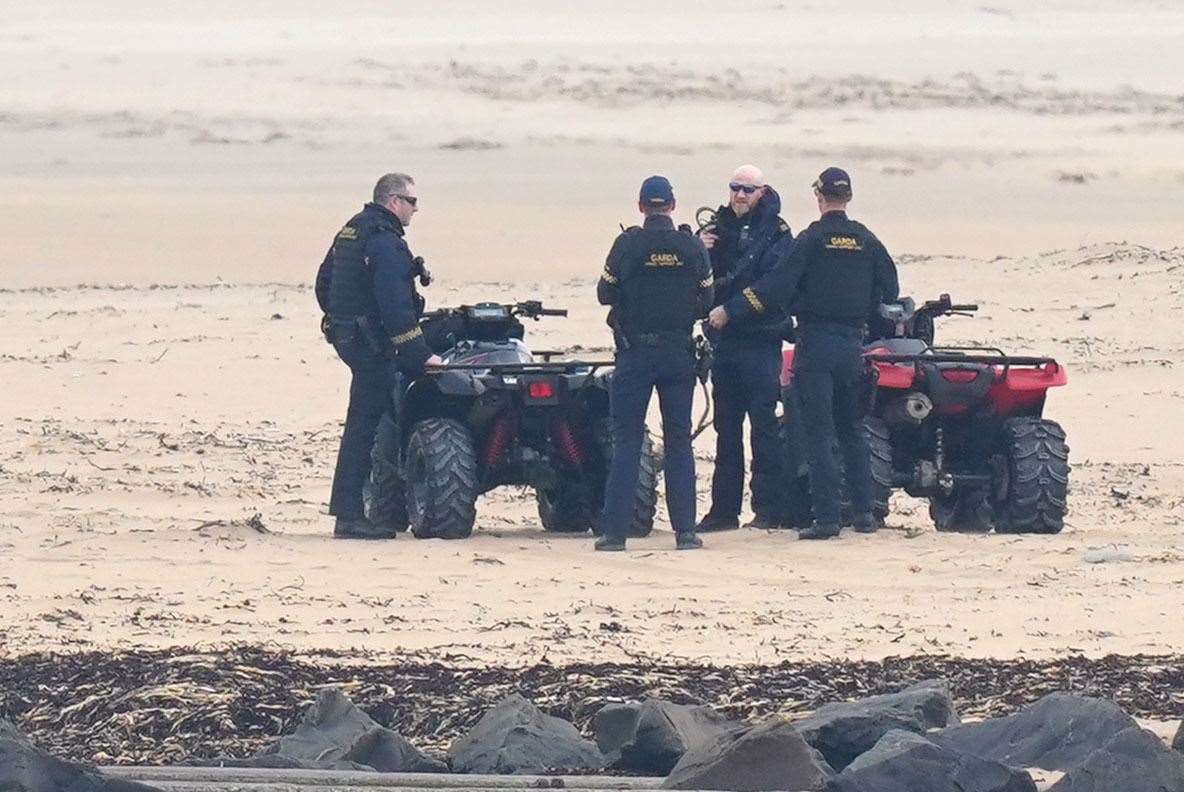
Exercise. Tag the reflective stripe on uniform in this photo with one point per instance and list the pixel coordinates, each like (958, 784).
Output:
(608, 277)
(410, 335)
(754, 301)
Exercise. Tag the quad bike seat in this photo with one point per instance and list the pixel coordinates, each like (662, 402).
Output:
(898, 346)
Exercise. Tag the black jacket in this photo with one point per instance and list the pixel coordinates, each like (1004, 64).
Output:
(658, 280)
(747, 248)
(835, 271)
(369, 273)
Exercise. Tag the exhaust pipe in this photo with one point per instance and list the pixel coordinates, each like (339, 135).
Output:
(911, 409)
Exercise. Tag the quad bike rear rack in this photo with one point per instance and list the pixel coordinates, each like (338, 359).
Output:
(977, 355)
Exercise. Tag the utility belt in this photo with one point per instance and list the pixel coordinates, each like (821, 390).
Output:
(657, 338)
(353, 329)
(854, 328)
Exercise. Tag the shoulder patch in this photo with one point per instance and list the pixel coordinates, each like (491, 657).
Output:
(348, 233)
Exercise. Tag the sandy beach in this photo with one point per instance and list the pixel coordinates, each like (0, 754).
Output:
(169, 414)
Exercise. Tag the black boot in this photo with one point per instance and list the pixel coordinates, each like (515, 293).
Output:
(763, 522)
(819, 531)
(362, 529)
(687, 540)
(865, 524)
(714, 522)
(612, 544)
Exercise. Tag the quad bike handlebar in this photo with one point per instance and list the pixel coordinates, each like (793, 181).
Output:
(491, 311)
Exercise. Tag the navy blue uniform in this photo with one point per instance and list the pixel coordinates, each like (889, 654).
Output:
(745, 374)
(365, 285)
(835, 271)
(658, 280)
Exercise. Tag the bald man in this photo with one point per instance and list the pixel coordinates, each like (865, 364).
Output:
(744, 242)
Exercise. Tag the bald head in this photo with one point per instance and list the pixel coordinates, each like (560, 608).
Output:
(746, 188)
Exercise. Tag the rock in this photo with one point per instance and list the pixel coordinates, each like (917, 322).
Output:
(1134, 761)
(650, 737)
(516, 737)
(1056, 733)
(26, 768)
(1178, 742)
(844, 730)
(769, 756)
(336, 735)
(903, 761)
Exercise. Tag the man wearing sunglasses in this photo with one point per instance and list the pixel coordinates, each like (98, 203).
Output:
(745, 239)
(366, 288)
(836, 270)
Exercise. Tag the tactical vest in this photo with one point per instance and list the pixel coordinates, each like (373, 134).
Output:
(659, 284)
(351, 293)
(839, 274)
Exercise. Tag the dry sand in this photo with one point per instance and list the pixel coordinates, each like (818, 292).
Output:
(141, 426)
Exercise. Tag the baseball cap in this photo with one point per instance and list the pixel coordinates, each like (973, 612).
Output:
(656, 191)
(834, 182)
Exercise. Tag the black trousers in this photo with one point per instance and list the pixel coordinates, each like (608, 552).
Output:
(827, 373)
(640, 370)
(745, 382)
(370, 388)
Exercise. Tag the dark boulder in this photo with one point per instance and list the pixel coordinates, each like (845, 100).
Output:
(26, 768)
(1055, 733)
(650, 737)
(844, 730)
(903, 761)
(335, 735)
(516, 737)
(1134, 761)
(769, 756)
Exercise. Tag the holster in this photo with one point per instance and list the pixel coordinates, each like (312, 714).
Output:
(378, 343)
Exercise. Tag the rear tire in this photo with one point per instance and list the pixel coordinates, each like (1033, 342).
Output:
(383, 493)
(967, 512)
(1032, 488)
(879, 443)
(645, 496)
(442, 483)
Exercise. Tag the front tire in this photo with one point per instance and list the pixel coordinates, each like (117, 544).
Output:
(1032, 486)
(442, 483)
(879, 443)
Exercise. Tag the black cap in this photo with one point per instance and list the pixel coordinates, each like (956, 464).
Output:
(656, 191)
(833, 183)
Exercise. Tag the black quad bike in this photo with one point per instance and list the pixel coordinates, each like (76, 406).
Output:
(961, 426)
(498, 413)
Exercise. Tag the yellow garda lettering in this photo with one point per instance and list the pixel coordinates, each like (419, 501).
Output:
(347, 233)
(664, 260)
(843, 243)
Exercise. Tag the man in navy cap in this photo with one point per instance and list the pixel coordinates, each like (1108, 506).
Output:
(658, 281)
(836, 270)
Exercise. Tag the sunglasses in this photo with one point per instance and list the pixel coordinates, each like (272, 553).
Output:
(747, 189)
(411, 199)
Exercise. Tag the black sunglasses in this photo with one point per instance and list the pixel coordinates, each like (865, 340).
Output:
(747, 189)
(411, 199)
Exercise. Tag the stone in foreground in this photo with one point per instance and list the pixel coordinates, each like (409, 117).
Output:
(1134, 761)
(516, 737)
(844, 730)
(903, 761)
(26, 768)
(1056, 733)
(769, 756)
(650, 737)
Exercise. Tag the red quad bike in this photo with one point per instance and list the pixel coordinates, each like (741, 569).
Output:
(961, 426)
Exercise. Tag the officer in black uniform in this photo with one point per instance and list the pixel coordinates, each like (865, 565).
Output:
(745, 240)
(658, 281)
(365, 287)
(835, 271)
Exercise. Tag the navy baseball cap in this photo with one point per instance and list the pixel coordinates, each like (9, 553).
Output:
(656, 191)
(834, 183)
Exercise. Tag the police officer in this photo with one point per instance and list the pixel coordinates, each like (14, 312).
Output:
(366, 289)
(658, 281)
(745, 240)
(835, 271)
